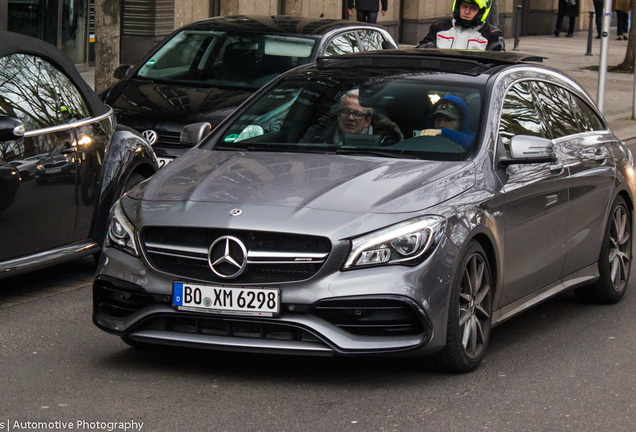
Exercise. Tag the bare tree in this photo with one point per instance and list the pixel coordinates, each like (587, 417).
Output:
(628, 63)
(107, 40)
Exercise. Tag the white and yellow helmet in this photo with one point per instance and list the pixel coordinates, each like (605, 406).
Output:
(484, 10)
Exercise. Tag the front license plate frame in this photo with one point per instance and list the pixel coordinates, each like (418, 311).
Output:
(223, 300)
(53, 170)
(162, 161)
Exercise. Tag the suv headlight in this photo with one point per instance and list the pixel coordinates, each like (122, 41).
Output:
(406, 243)
(121, 233)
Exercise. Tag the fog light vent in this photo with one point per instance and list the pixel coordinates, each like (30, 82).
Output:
(371, 317)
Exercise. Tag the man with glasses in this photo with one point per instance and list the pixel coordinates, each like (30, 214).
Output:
(352, 117)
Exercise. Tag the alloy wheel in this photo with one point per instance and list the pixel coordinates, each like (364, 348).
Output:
(475, 306)
(620, 248)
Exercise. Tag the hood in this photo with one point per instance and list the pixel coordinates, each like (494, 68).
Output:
(145, 104)
(344, 183)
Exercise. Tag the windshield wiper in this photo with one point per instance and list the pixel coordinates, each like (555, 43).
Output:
(371, 152)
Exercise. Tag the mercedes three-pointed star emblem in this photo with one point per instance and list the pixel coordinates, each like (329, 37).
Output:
(227, 257)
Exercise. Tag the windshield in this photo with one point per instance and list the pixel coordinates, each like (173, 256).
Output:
(235, 59)
(422, 115)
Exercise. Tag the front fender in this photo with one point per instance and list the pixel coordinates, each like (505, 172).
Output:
(127, 153)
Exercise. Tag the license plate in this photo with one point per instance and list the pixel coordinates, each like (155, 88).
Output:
(163, 161)
(225, 300)
(53, 170)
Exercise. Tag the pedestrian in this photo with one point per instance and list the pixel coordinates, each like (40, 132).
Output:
(569, 8)
(622, 8)
(367, 10)
(467, 29)
(598, 15)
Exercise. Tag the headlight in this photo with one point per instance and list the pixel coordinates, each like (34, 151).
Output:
(406, 243)
(121, 233)
(40, 166)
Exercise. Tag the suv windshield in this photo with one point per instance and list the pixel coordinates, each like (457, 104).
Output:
(369, 112)
(235, 59)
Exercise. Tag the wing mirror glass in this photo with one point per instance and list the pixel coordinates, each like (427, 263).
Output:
(11, 128)
(525, 149)
(122, 71)
(194, 133)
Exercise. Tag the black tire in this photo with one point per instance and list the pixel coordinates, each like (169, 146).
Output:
(133, 180)
(614, 261)
(469, 314)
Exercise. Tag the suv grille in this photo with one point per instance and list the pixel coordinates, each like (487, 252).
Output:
(271, 257)
(169, 139)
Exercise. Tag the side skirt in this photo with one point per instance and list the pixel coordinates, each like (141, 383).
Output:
(582, 277)
(48, 258)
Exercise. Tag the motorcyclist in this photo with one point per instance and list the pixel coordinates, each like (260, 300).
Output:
(467, 29)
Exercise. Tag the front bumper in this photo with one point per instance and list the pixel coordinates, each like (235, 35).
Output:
(384, 310)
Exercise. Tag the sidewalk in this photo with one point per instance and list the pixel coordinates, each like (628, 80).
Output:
(568, 55)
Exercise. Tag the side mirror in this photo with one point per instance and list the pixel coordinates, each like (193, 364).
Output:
(525, 149)
(194, 133)
(10, 128)
(121, 71)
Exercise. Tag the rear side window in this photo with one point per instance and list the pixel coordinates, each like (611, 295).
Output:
(588, 120)
(37, 93)
(371, 40)
(343, 44)
(520, 115)
(555, 104)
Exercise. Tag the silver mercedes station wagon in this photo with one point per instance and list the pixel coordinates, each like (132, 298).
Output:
(399, 202)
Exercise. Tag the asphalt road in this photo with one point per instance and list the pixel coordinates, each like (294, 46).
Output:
(561, 366)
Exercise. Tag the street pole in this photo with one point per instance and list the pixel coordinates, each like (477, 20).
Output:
(589, 35)
(634, 101)
(518, 29)
(602, 68)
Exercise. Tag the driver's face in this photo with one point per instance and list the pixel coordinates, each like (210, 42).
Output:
(442, 121)
(468, 11)
(348, 124)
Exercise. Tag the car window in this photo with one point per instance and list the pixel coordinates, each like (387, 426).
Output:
(371, 40)
(343, 44)
(37, 93)
(418, 115)
(234, 59)
(588, 119)
(555, 103)
(519, 115)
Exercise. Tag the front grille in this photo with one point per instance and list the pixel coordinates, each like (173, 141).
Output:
(371, 317)
(169, 139)
(224, 327)
(272, 257)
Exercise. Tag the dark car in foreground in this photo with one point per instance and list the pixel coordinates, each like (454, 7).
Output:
(81, 164)
(204, 71)
(283, 238)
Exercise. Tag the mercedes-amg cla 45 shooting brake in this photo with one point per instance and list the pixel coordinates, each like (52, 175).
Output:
(394, 202)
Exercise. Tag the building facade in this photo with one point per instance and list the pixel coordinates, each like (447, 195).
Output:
(65, 23)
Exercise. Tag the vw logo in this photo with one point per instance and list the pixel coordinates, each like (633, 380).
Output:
(236, 212)
(150, 135)
(227, 257)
